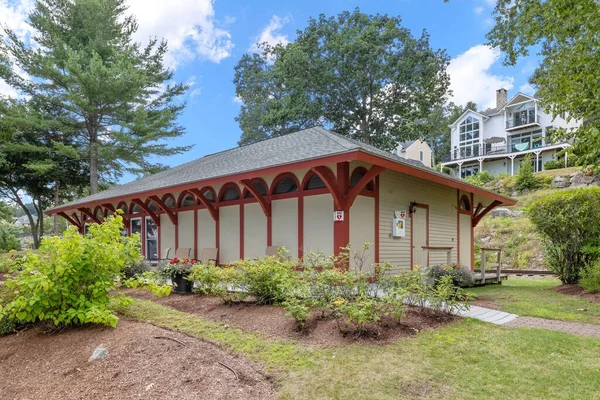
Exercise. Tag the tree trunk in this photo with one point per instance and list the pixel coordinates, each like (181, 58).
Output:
(56, 201)
(32, 224)
(93, 167)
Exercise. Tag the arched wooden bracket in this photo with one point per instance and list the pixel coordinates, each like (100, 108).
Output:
(110, 207)
(478, 208)
(166, 209)
(214, 211)
(330, 181)
(72, 221)
(150, 213)
(264, 203)
(90, 214)
(371, 174)
(477, 217)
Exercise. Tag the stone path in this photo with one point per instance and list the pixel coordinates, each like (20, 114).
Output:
(516, 321)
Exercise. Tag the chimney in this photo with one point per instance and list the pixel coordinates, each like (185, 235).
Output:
(501, 98)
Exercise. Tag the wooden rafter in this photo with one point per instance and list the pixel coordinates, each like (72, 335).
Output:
(70, 219)
(373, 172)
(330, 181)
(90, 214)
(478, 208)
(109, 206)
(166, 209)
(485, 211)
(150, 213)
(264, 203)
(214, 211)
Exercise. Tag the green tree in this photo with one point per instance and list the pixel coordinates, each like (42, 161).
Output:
(6, 212)
(566, 34)
(116, 95)
(365, 76)
(38, 162)
(525, 177)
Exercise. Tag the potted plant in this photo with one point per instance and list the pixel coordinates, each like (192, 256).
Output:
(178, 270)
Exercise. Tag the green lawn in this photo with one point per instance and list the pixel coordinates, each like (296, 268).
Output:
(465, 360)
(535, 298)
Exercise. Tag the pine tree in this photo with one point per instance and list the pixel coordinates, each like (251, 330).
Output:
(116, 95)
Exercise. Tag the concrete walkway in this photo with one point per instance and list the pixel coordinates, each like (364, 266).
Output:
(516, 321)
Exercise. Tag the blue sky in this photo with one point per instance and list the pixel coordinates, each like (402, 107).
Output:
(208, 38)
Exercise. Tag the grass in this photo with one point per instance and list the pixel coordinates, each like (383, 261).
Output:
(535, 298)
(465, 360)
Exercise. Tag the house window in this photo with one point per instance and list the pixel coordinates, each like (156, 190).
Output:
(151, 240)
(315, 183)
(468, 143)
(525, 141)
(259, 187)
(230, 194)
(469, 171)
(421, 155)
(188, 201)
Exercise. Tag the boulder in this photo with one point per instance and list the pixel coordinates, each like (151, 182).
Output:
(517, 213)
(561, 182)
(578, 185)
(501, 212)
(579, 178)
(99, 353)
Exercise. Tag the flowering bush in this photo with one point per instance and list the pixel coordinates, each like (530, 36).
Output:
(177, 266)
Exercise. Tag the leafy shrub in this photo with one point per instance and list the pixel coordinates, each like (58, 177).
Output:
(266, 279)
(460, 276)
(590, 278)
(209, 279)
(137, 268)
(554, 164)
(69, 281)
(525, 177)
(480, 178)
(8, 238)
(149, 280)
(568, 223)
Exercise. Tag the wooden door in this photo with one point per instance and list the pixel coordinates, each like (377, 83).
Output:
(465, 240)
(419, 232)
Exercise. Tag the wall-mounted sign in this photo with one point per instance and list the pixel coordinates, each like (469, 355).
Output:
(338, 215)
(399, 227)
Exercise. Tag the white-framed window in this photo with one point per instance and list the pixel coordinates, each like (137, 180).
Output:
(421, 156)
(468, 140)
(469, 170)
(151, 240)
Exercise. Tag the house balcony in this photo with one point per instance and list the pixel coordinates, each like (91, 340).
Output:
(523, 119)
(489, 150)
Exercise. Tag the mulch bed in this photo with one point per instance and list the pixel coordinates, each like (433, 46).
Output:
(270, 321)
(576, 290)
(144, 361)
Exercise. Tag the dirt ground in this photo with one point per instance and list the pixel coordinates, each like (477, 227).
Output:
(271, 321)
(576, 290)
(142, 363)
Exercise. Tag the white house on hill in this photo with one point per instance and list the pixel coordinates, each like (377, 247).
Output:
(417, 150)
(497, 140)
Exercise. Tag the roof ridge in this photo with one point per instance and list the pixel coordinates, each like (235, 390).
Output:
(337, 138)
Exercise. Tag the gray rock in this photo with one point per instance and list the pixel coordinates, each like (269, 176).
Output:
(514, 194)
(517, 213)
(579, 178)
(561, 182)
(501, 212)
(486, 239)
(578, 185)
(525, 191)
(99, 353)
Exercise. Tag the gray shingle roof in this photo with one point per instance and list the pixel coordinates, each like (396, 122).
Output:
(312, 143)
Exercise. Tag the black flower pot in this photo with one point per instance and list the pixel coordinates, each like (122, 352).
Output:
(181, 284)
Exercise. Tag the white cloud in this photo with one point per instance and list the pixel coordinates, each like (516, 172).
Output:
(527, 89)
(188, 26)
(478, 10)
(471, 79)
(237, 100)
(271, 33)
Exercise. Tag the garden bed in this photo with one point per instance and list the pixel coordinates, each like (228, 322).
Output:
(576, 290)
(271, 321)
(144, 362)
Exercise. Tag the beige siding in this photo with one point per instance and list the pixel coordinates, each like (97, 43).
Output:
(362, 229)
(229, 234)
(255, 231)
(318, 224)
(167, 236)
(413, 152)
(465, 240)
(186, 230)
(206, 231)
(285, 224)
(396, 192)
